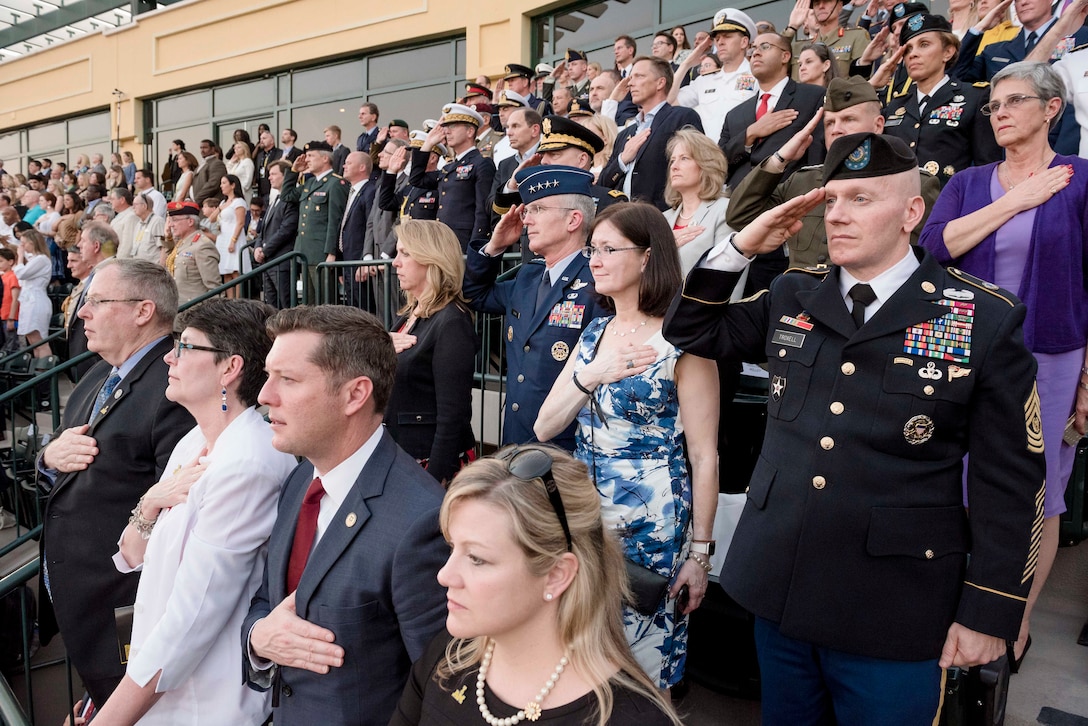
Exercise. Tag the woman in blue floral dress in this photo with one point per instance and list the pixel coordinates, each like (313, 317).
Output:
(631, 392)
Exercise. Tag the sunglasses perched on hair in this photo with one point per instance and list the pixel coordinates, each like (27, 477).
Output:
(530, 464)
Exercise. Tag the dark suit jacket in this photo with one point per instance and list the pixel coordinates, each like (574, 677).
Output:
(430, 410)
(277, 229)
(261, 163)
(291, 155)
(366, 139)
(869, 503)
(206, 179)
(353, 233)
(651, 162)
(806, 98)
(339, 154)
(371, 580)
(87, 510)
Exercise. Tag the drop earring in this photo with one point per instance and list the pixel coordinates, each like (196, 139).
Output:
(224, 403)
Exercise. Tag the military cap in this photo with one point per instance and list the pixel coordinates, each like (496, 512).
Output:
(512, 98)
(846, 92)
(558, 133)
(867, 155)
(905, 10)
(573, 55)
(416, 139)
(731, 20)
(542, 70)
(182, 209)
(923, 23)
(475, 89)
(482, 107)
(318, 146)
(399, 122)
(516, 70)
(429, 124)
(458, 113)
(580, 107)
(538, 182)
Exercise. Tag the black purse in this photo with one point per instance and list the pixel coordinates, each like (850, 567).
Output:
(648, 588)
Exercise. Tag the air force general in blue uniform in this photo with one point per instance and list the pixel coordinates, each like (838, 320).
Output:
(544, 315)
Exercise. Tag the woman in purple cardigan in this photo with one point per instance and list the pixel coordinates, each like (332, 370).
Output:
(1023, 224)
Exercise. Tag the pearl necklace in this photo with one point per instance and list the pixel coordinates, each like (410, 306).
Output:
(615, 331)
(532, 710)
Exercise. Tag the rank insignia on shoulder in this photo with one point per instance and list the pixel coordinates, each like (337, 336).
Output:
(617, 194)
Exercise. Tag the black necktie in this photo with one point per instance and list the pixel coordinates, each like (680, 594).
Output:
(543, 290)
(922, 104)
(1032, 39)
(862, 295)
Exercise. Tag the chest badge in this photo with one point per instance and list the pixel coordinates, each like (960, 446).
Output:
(931, 372)
(578, 284)
(560, 351)
(778, 387)
(918, 430)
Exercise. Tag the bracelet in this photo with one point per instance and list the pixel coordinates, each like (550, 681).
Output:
(143, 526)
(780, 158)
(701, 560)
(733, 244)
(790, 27)
(579, 386)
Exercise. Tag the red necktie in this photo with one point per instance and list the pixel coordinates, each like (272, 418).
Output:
(305, 531)
(762, 105)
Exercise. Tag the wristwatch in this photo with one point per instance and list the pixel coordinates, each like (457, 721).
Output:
(703, 548)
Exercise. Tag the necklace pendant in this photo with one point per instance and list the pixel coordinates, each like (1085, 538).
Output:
(533, 711)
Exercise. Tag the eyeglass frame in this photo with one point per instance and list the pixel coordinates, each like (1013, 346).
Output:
(94, 302)
(545, 476)
(760, 47)
(179, 346)
(993, 107)
(533, 211)
(589, 251)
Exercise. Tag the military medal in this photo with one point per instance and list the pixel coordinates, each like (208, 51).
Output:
(560, 351)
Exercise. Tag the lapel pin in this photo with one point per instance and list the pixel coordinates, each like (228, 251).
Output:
(351, 519)
(117, 393)
(929, 287)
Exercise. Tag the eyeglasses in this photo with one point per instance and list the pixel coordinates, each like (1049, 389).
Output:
(1014, 101)
(533, 211)
(180, 346)
(589, 251)
(94, 302)
(529, 464)
(764, 47)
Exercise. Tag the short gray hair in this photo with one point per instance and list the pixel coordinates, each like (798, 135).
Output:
(148, 281)
(102, 209)
(1044, 81)
(580, 203)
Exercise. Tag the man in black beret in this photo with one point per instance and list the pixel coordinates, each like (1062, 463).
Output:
(854, 550)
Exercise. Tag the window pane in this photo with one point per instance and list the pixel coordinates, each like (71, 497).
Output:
(284, 83)
(225, 132)
(160, 151)
(344, 79)
(460, 58)
(180, 110)
(9, 146)
(415, 104)
(310, 122)
(245, 97)
(410, 66)
(49, 136)
(89, 128)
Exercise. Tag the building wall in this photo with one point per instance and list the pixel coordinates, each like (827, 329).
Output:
(201, 43)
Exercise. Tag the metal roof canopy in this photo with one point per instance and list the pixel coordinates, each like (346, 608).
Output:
(43, 17)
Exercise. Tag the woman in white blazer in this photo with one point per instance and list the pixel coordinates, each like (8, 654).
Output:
(694, 192)
(199, 535)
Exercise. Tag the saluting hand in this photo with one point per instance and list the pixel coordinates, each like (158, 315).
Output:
(507, 231)
(769, 230)
(796, 147)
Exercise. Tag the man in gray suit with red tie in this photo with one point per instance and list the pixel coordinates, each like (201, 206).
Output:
(350, 596)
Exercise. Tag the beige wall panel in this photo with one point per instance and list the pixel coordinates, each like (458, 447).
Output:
(198, 43)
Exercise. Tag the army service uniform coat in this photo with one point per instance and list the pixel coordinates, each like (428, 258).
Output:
(951, 134)
(854, 535)
(321, 204)
(538, 341)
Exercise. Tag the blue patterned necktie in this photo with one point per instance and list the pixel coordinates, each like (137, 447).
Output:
(103, 395)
